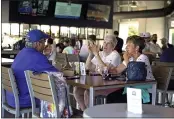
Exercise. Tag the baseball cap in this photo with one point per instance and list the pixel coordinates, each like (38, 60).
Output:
(145, 35)
(36, 35)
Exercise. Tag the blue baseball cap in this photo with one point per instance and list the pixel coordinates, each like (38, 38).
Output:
(36, 35)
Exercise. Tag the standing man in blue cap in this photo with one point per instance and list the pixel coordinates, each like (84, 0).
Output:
(29, 58)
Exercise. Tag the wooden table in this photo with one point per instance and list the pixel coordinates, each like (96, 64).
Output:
(94, 83)
(6, 62)
(120, 110)
(9, 53)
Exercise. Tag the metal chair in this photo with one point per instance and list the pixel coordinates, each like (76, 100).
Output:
(166, 64)
(162, 75)
(72, 58)
(61, 60)
(42, 87)
(9, 84)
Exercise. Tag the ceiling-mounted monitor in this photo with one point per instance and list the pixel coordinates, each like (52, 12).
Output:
(98, 12)
(33, 7)
(67, 10)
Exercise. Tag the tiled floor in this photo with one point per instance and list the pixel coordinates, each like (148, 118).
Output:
(8, 115)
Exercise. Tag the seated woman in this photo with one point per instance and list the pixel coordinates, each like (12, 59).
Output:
(106, 58)
(135, 45)
(59, 47)
(70, 46)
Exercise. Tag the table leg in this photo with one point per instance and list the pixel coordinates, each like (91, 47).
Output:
(91, 97)
(154, 94)
(68, 87)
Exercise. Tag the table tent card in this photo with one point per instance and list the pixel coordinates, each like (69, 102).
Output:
(134, 100)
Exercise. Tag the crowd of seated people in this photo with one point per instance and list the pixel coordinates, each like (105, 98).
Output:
(35, 57)
(106, 58)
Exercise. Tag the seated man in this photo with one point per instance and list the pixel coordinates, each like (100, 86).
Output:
(29, 58)
(155, 48)
(106, 58)
(147, 50)
(168, 56)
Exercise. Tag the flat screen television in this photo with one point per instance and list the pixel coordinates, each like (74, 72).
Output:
(98, 12)
(34, 7)
(67, 10)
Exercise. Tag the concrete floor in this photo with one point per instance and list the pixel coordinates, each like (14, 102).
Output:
(8, 115)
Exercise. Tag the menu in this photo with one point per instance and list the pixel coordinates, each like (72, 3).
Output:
(134, 100)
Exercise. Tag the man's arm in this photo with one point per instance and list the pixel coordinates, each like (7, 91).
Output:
(99, 60)
(44, 65)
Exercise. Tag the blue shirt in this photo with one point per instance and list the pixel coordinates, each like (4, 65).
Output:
(27, 59)
(167, 55)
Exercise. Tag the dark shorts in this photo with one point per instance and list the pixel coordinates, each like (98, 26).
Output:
(171, 85)
(119, 97)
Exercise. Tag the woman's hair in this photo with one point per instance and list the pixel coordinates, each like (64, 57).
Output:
(137, 41)
(72, 42)
(112, 38)
(60, 45)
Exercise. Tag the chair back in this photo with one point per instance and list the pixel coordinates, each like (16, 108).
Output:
(165, 64)
(61, 60)
(42, 86)
(74, 59)
(151, 58)
(162, 76)
(9, 84)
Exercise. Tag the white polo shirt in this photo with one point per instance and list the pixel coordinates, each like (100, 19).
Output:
(155, 48)
(113, 58)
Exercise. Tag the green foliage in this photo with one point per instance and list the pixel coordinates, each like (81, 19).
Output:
(132, 31)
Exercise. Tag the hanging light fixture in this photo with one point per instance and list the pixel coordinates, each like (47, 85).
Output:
(134, 4)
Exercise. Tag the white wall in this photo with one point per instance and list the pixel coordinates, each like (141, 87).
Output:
(115, 25)
(5, 11)
(155, 4)
(152, 25)
(156, 25)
